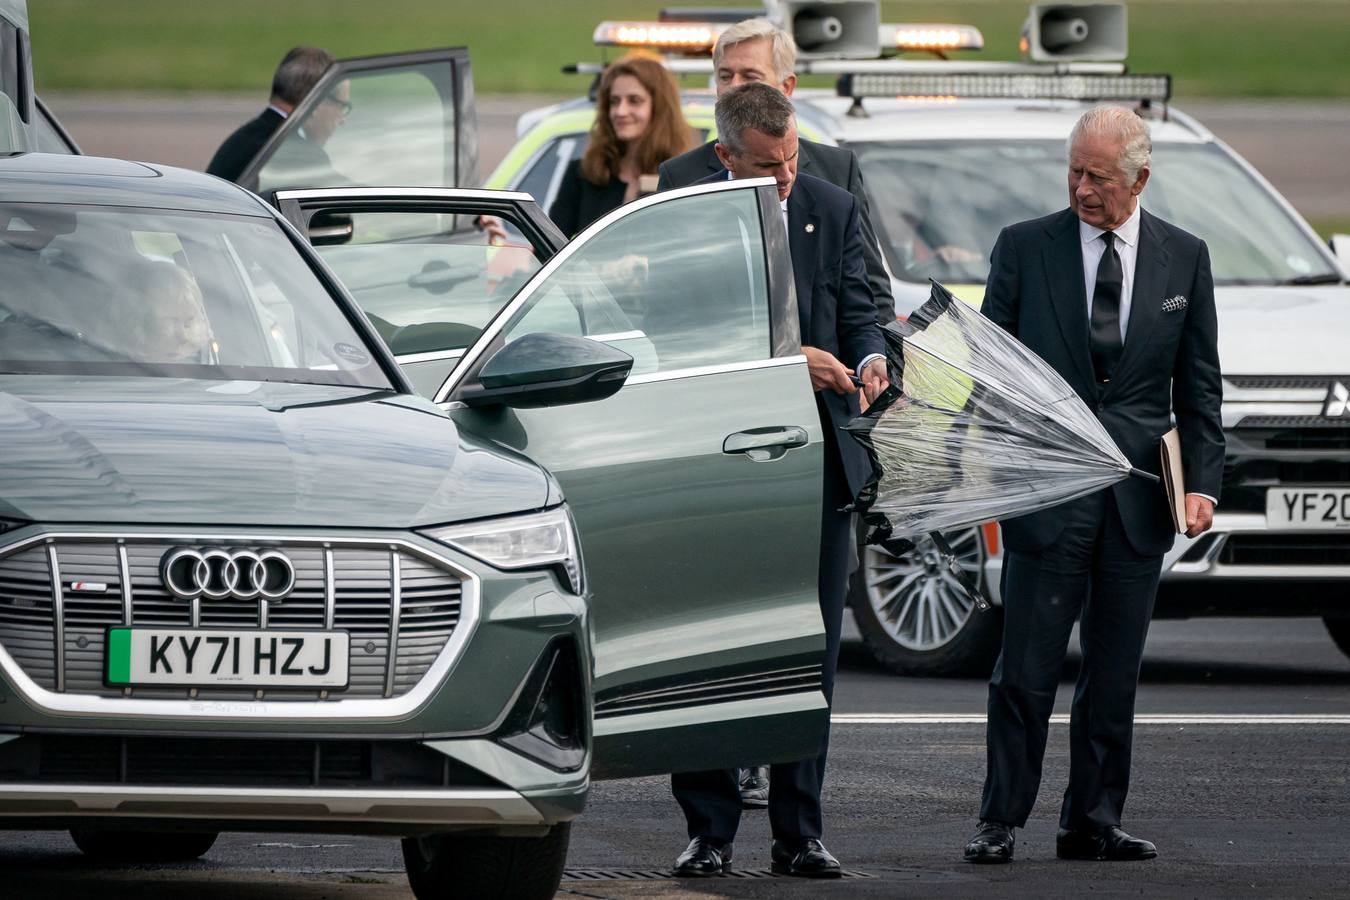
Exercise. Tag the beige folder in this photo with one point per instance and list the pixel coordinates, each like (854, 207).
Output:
(1173, 481)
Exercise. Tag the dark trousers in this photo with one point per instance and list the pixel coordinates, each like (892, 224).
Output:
(712, 800)
(1090, 569)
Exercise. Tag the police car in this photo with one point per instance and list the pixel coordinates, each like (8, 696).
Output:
(953, 151)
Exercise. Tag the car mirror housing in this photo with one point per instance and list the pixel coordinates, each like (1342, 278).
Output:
(543, 369)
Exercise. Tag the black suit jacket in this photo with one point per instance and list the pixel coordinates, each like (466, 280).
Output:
(834, 303)
(833, 164)
(243, 144)
(579, 203)
(1170, 363)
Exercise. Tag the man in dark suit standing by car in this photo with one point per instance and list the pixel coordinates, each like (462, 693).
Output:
(756, 51)
(1121, 304)
(297, 73)
(840, 336)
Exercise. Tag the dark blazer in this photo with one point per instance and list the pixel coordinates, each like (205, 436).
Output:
(579, 203)
(239, 148)
(836, 165)
(834, 303)
(1170, 363)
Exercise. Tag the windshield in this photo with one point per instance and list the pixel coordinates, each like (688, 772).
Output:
(115, 291)
(938, 207)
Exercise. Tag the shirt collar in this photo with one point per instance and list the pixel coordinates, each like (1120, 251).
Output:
(783, 203)
(1128, 232)
(278, 110)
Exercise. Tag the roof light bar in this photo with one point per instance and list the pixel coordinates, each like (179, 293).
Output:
(682, 37)
(1029, 86)
(931, 37)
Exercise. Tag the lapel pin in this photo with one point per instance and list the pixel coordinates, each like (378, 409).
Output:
(810, 227)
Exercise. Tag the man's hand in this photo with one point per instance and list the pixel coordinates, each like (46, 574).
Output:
(874, 380)
(828, 373)
(1199, 515)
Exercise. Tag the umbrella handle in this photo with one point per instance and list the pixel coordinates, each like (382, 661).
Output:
(972, 589)
(1148, 475)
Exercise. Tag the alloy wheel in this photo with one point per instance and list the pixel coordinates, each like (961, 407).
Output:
(919, 602)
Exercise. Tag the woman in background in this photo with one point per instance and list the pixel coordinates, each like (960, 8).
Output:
(638, 126)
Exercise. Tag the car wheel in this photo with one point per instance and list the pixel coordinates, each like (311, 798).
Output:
(444, 866)
(142, 846)
(1340, 632)
(914, 616)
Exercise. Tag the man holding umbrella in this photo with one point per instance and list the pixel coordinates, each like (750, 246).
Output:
(757, 137)
(1121, 304)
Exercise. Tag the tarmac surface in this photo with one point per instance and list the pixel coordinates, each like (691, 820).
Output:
(1301, 146)
(1241, 777)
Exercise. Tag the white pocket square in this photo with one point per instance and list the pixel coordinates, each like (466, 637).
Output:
(1172, 304)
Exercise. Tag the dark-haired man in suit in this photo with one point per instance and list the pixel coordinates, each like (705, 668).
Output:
(297, 73)
(1121, 304)
(841, 340)
(755, 51)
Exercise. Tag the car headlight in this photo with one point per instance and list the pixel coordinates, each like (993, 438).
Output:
(537, 541)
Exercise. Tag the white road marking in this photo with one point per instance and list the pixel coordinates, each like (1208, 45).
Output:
(1063, 719)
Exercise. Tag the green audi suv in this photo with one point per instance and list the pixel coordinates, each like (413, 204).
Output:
(336, 515)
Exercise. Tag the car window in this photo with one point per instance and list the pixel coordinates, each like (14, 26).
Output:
(680, 284)
(115, 291)
(374, 128)
(429, 282)
(938, 206)
(44, 136)
(542, 178)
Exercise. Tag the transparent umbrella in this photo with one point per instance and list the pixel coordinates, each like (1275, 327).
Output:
(974, 427)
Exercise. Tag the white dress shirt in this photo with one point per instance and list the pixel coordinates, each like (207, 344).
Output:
(1127, 246)
(869, 357)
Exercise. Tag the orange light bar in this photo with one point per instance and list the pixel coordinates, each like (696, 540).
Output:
(932, 37)
(685, 37)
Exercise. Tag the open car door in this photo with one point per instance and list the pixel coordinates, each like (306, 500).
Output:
(420, 264)
(18, 113)
(696, 487)
(396, 119)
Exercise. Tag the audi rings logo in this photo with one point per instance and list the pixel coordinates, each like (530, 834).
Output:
(219, 574)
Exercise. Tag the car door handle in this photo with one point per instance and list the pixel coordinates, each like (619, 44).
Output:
(765, 444)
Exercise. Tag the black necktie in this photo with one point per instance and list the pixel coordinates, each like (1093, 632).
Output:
(1105, 327)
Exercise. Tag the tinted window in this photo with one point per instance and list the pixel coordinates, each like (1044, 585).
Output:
(939, 206)
(428, 281)
(679, 285)
(377, 128)
(545, 174)
(103, 290)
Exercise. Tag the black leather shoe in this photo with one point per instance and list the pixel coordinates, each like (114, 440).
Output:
(755, 787)
(809, 859)
(703, 858)
(1109, 844)
(993, 843)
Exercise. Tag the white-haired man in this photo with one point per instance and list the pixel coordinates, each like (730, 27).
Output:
(756, 50)
(1121, 304)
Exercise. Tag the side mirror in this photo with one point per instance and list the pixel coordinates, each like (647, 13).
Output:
(544, 369)
(1340, 245)
(328, 229)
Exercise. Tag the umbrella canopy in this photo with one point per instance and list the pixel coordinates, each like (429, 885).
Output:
(974, 427)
